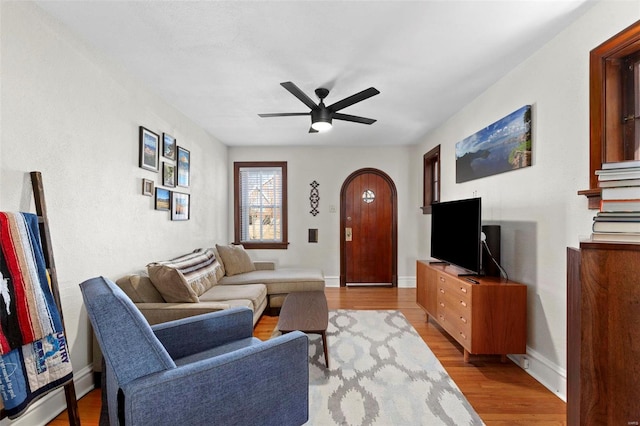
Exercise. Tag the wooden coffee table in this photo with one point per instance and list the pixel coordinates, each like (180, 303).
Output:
(306, 311)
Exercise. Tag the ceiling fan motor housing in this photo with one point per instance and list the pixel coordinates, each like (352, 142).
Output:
(321, 118)
(321, 114)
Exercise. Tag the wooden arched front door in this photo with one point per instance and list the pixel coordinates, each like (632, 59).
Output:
(368, 229)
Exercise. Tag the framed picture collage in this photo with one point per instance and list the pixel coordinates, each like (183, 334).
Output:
(173, 165)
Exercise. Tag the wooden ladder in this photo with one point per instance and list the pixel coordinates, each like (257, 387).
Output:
(47, 248)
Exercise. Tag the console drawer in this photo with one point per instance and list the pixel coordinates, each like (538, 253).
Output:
(455, 287)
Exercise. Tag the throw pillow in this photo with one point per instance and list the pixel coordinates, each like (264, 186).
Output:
(185, 278)
(235, 258)
(218, 267)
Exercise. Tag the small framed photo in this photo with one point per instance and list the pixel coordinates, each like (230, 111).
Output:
(184, 165)
(168, 146)
(149, 149)
(180, 206)
(147, 187)
(163, 199)
(168, 174)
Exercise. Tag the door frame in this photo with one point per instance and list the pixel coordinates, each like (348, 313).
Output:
(394, 224)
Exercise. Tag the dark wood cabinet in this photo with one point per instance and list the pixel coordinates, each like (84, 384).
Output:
(603, 334)
(487, 316)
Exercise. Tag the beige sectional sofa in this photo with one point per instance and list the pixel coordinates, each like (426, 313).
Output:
(212, 279)
(156, 310)
(265, 287)
(208, 280)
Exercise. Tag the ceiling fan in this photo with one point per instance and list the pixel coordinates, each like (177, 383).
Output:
(322, 115)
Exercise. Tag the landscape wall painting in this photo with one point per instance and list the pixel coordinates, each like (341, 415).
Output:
(500, 147)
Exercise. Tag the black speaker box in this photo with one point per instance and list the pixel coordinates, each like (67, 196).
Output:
(493, 242)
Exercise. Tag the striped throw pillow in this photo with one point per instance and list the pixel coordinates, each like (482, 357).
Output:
(185, 278)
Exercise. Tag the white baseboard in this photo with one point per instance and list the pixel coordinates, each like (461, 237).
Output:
(406, 282)
(403, 282)
(552, 376)
(331, 281)
(50, 406)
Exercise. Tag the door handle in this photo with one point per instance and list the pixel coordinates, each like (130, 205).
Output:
(348, 235)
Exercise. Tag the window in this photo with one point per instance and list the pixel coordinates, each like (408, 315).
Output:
(431, 176)
(631, 107)
(260, 204)
(368, 196)
(614, 104)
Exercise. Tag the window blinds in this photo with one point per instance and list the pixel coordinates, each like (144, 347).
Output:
(261, 204)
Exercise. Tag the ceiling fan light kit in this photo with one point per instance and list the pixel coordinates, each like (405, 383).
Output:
(321, 126)
(322, 115)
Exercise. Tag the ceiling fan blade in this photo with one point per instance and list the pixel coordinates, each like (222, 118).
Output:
(312, 130)
(361, 96)
(295, 91)
(284, 114)
(354, 118)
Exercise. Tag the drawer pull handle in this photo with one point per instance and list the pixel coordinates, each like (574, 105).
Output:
(441, 279)
(463, 319)
(462, 289)
(463, 336)
(442, 304)
(442, 290)
(463, 303)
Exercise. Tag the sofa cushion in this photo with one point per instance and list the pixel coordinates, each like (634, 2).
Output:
(185, 278)
(279, 282)
(140, 289)
(287, 277)
(235, 258)
(256, 293)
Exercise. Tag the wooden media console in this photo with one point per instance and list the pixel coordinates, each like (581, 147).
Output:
(486, 315)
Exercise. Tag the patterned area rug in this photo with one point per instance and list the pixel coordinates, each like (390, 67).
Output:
(380, 373)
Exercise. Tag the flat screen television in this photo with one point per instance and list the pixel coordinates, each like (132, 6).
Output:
(455, 233)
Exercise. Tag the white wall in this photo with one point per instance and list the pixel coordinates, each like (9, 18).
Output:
(71, 114)
(330, 166)
(538, 207)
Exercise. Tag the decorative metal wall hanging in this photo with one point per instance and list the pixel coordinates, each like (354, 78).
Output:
(314, 198)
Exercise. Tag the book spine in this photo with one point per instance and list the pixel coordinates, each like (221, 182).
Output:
(619, 237)
(630, 205)
(621, 164)
(618, 183)
(618, 175)
(616, 227)
(621, 193)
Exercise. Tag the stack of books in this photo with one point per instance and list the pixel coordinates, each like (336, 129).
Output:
(619, 216)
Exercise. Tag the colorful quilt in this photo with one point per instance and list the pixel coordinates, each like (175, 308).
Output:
(34, 357)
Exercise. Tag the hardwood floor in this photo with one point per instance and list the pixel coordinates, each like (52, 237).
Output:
(501, 393)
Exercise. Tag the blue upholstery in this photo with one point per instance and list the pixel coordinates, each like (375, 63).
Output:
(201, 370)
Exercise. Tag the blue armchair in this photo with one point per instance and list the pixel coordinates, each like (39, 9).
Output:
(207, 369)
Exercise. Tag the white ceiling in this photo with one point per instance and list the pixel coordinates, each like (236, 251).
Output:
(220, 62)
